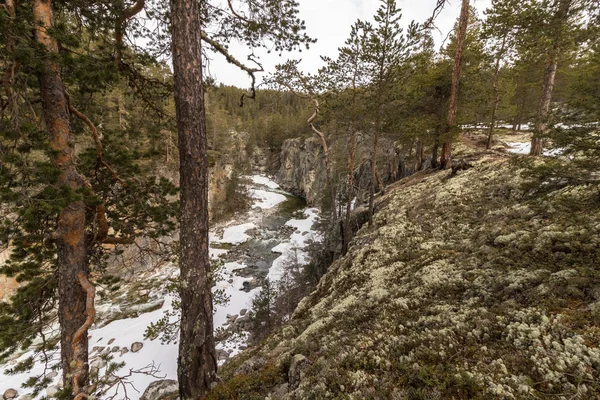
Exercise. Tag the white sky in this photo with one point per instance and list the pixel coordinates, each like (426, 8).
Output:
(329, 21)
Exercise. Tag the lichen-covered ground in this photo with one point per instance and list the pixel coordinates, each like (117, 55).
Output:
(466, 287)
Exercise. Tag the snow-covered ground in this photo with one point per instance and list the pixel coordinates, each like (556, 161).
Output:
(525, 148)
(118, 337)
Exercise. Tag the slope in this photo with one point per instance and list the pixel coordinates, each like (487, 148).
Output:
(472, 286)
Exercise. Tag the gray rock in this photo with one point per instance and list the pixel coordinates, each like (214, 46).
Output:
(52, 374)
(222, 355)
(297, 368)
(98, 349)
(137, 346)
(10, 394)
(111, 341)
(115, 349)
(97, 364)
(243, 311)
(52, 390)
(231, 318)
(166, 389)
(124, 350)
(253, 364)
(280, 392)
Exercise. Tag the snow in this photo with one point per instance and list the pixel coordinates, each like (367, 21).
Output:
(164, 356)
(264, 181)
(266, 199)
(525, 148)
(293, 251)
(235, 234)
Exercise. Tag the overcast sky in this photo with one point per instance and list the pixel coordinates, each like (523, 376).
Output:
(329, 22)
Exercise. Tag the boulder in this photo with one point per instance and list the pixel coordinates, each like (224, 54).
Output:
(296, 371)
(10, 394)
(166, 389)
(137, 346)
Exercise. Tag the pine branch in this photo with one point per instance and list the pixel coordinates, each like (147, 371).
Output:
(120, 28)
(219, 48)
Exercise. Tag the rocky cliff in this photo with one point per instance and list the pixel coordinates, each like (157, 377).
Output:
(302, 169)
(468, 286)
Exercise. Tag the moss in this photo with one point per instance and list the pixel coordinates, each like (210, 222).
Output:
(253, 386)
(464, 288)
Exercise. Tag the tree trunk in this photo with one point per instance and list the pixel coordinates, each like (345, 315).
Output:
(197, 364)
(419, 155)
(327, 170)
(453, 105)
(347, 232)
(496, 94)
(549, 75)
(70, 233)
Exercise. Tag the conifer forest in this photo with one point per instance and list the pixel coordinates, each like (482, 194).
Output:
(202, 199)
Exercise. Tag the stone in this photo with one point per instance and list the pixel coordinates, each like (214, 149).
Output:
(52, 390)
(253, 364)
(166, 389)
(52, 374)
(115, 349)
(222, 355)
(124, 350)
(280, 392)
(137, 346)
(111, 341)
(296, 371)
(10, 394)
(231, 318)
(243, 311)
(98, 363)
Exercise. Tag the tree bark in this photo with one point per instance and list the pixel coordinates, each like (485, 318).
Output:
(197, 364)
(549, 76)
(70, 233)
(446, 155)
(496, 94)
(347, 232)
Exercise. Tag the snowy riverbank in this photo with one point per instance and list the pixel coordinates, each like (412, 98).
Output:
(269, 225)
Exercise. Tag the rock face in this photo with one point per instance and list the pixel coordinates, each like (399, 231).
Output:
(302, 167)
(302, 170)
(167, 389)
(466, 286)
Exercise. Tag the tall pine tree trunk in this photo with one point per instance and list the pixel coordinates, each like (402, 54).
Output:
(347, 232)
(496, 94)
(197, 364)
(549, 74)
(70, 233)
(453, 105)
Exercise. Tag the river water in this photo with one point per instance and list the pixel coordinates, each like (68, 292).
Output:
(256, 245)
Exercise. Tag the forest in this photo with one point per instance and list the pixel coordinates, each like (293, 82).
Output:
(116, 143)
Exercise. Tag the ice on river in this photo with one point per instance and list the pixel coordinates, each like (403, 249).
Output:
(125, 332)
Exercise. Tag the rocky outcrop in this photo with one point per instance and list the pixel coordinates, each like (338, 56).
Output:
(302, 170)
(466, 286)
(302, 166)
(167, 389)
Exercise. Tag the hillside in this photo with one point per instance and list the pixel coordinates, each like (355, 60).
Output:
(469, 286)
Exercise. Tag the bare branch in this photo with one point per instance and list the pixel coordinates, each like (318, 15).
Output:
(219, 48)
(236, 14)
